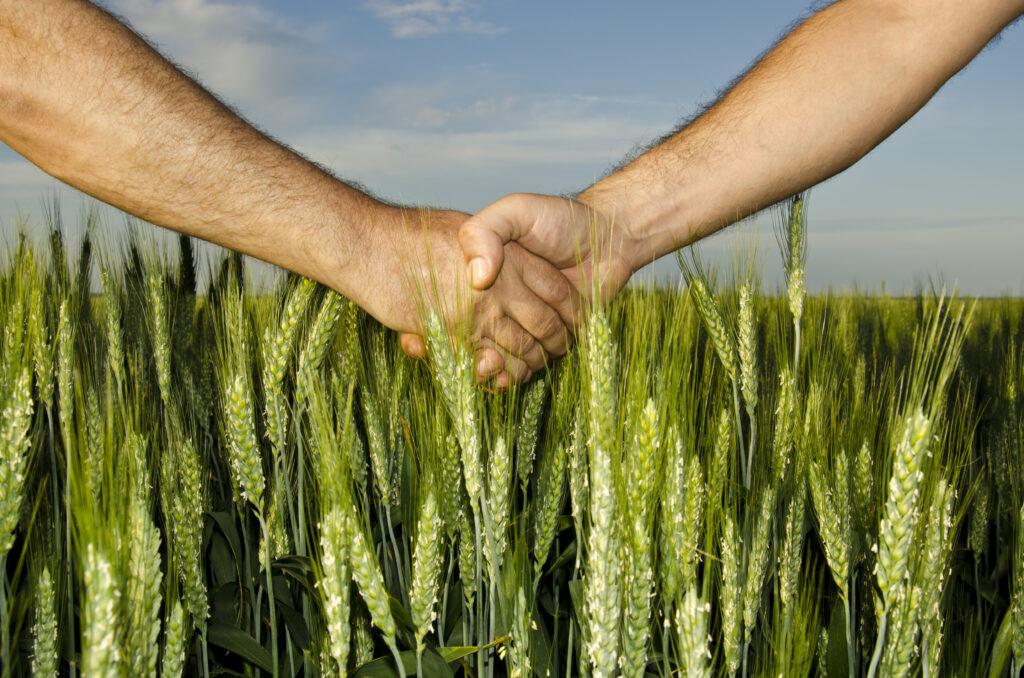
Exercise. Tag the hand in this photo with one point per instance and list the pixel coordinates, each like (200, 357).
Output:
(578, 240)
(525, 317)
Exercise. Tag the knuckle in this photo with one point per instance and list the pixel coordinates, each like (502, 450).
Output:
(520, 372)
(548, 326)
(527, 344)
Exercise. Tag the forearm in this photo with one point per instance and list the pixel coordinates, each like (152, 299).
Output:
(89, 102)
(819, 101)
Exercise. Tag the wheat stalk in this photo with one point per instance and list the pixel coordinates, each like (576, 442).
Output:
(692, 616)
(548, 502)
(333, 584)
(731, 597)
(44, 654)
(603, 589)
(142, 589)
(426, 569)
(758, 556)
(366, 574)
(896, 535)
(14, 444)
(638, 574)
(99, 649)
(174, 642)
(243, 450)
(529, 429)
(933, 575)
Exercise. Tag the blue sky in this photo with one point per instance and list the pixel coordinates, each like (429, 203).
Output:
(456, 103)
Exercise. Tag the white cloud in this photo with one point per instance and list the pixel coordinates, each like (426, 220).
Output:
(409, 130)
(256, 60)
(430, 17)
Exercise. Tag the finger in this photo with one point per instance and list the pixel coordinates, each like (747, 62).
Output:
(488, 363)
(516, 371)
(538, 320)
(483, 236)
(501, 382)
(515, 342)
(512, 369)
(413, 345)
(484, 250)
(551, 287)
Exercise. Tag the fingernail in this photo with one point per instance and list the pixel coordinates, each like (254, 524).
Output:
(477, 272)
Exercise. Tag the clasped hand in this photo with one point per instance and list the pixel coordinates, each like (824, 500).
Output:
(533, 265)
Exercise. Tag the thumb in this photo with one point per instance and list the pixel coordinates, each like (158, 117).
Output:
(413, 345)
(483, 237)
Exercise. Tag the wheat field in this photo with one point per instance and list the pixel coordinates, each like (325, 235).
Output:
(718, 480)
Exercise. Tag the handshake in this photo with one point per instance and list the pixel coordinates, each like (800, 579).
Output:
(518, 276)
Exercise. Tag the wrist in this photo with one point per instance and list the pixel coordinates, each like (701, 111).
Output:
(659, 203)
(640, 221)
(349, 243)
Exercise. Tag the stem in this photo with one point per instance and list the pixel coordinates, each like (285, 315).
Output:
(394, 652)
(568, 651)
(205, 652)
(664, 646)
(977, 597)
(851, 642)
(398, 552)
(291, 655)
(300, 540)
(69, 631)
(257, 631)
(558, 616)
(850, 647)
(5, 640)
(270, 594)
(481, 656)
(56, 492)
(796, 345)
(750, 451)
(441, 625)
(467, 620)
(739, 425)
(386, 562)
(307, 666)
(879, 643)
(493, 631)
(247, 574)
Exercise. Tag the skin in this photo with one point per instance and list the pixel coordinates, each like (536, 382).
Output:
(91, 103)
(827, 94)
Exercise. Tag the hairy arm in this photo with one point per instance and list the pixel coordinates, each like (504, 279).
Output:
(92, 104)
(826, 95)
(89, 102)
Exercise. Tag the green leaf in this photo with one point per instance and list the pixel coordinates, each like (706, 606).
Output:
(540, 644)
(222, 561)
(566, 557)
(433, 665)
(401, 615)
(298, 568)
(454, 654)
(295, 623)
(836, 658)
(240, 643)
(228, 528)
(1002, 646)
(226, 602)
(578, 601)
